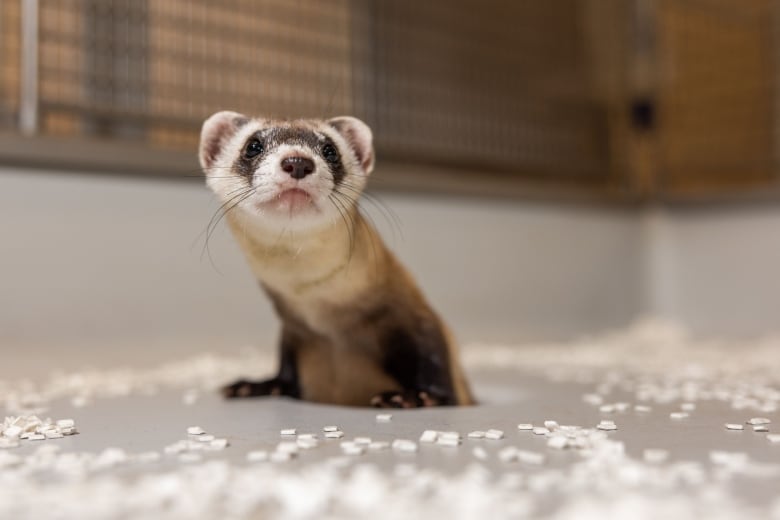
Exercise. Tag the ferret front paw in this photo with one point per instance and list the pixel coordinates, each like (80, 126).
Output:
(246, 388)
(404, 399)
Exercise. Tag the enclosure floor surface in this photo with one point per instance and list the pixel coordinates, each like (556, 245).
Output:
(110, 470)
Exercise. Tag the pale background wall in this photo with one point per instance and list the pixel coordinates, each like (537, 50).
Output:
(112, 267)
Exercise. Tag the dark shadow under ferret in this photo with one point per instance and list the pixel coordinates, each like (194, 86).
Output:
(356, 330)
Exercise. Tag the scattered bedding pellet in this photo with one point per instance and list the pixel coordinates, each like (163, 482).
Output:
(551, 425)
(607, 408)
(195, 430)
(476, 435)
(508, 454)
(774, 438)
(622, 407)
(479, 453)
(759, 420)
(404, 445)
(540, 430)
(678, 415)
(558, 442)
(307, 443)
(334, 435)
(280, 456)
(429, 436)
(219, 444)
(734, 426)
(350, 448)
(448, 441)
(288, 431)
(494, 435)
(257, 456)
(607, 425)
(287, 447)
(330, 428)
(655, 456)
(525, 426)
(530, 457)
(379, 445)
(384, 417)
(642, 408)
(761, 428)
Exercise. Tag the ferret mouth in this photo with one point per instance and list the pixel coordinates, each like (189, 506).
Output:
(292, 200)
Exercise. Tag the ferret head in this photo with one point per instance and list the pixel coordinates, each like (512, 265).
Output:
(295, 174)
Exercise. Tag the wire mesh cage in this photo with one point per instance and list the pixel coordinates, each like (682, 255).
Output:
(638, 96)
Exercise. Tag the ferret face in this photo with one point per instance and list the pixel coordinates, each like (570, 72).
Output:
(286, 174)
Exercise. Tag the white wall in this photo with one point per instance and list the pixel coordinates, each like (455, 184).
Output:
(716, 268)
(112, 267)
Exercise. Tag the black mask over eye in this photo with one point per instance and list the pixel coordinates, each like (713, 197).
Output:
(330, 153)
(253, 148)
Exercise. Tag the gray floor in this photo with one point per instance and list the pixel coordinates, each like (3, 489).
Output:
(710, 472)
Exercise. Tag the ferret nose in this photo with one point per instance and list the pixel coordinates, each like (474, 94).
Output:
(298, 167)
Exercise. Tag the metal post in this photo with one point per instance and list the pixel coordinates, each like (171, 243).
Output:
(28, 106)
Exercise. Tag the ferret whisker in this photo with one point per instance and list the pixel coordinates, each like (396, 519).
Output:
(223, 210)
(390, 216)
(344, 218)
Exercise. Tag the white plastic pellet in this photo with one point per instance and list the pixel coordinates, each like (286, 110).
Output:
(557, 442)
(429, 436)
(280, 456)
(219, 444)
(476, 435)
(479, 452)
(287, 447)
(449, 435)
(734, 426)
(307, 443)
(642, 408)
(607, 408)
(288, 431)
(404, 445)
(379, 445)
(508, 454)
(330, 428)
(448, 441)
(678, 415)
(607, 426)
(525, 426)
(759, 420)
(494, 434)
(761, 428)
(551, 425)
(12, 432)
(66, 423)
(655, 456)
(352, 448)
(622, 407)
(36, 437)
(53, 435)
(540, 430)
(384, 417)
(307, 436)
(69, 431)
(257, 456)
(195, 430)
(190, 457)
(530, 457)
(774, 438)
(334, 435)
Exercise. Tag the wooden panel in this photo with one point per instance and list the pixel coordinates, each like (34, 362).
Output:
(716, 96)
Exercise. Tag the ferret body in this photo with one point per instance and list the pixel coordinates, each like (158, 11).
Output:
(356, 330)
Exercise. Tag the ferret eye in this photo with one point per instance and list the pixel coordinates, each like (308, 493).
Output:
(253, 149)
(330, 153)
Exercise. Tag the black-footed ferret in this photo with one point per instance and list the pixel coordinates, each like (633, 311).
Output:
(356, 330)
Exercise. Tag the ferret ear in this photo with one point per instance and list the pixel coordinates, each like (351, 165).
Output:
(359, 137)
(216, 132)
